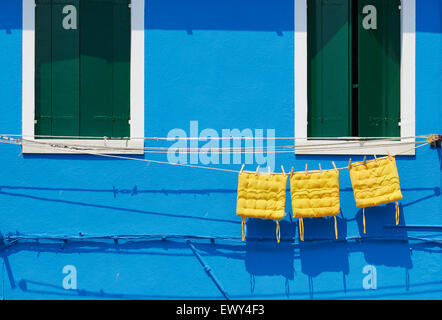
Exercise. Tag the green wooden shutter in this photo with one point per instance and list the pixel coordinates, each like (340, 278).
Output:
(57, 71)
(121, 80)
(329, 68)
(65, 73)
(82, 78)
(43, 67)
(104, 68)
(379, 69)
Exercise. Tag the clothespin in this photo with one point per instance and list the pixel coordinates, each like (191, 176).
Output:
(268, 170)
(282, 167)
(375, 159)
(334, 166)
(365, 160)
(257, 169)
(306, 169)
(291, 172)
(320, 169)
(349, 164)
(242, 168)
(389, 155)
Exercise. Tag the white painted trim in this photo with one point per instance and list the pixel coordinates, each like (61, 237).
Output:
(408, 85)
(408, 67)
(137, 70)
(300, 69)
(134, 146)
(28, 68)
(57, 146)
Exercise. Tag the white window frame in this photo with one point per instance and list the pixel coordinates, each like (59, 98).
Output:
(407, 95)
(135, 143)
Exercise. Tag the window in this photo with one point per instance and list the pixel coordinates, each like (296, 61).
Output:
(357, 54)
(87, 66)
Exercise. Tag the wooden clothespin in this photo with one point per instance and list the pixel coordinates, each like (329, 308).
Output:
(306, 169)
(257, 169)
(291, 172)
(349, 164)
(365, 160)
(389, 155)
(282, 167)
(320, 169)
(242, 168)
(375, 159)
(334, 166)
(268, 170)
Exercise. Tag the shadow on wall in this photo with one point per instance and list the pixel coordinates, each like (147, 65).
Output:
(258, 15)
(318, 258)
(269, 258)
(10, 15)
(428, 16)
(188, 15)
(376, 220)
(261, 258)
(240, 15)
(6, 191)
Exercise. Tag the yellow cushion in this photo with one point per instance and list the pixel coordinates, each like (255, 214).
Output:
(375, 183)
(261, 195)
(315, 194)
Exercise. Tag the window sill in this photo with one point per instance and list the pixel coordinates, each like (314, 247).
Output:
(350, 147)
(82, 146)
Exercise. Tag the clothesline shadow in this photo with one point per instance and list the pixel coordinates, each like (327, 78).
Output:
(261, 258)
(118, 208)
(148, 248)
(43, 288)
(133, 191)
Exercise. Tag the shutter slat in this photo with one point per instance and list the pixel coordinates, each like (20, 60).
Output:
(43, 68)
(329, 68)
(65, 71)
(379, 69)
(105, 73)
(121, 65)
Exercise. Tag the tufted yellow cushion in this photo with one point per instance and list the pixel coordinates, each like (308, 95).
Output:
(315, 194)
(261, 195)
(375, 183)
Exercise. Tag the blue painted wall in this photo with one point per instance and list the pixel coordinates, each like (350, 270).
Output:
(226, 64)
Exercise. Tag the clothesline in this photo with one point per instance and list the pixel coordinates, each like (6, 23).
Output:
(215, 138)
(73, 149)
(86, 150)
(214, 150)
(329, 146)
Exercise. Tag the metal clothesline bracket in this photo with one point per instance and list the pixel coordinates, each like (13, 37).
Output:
(435, 140)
